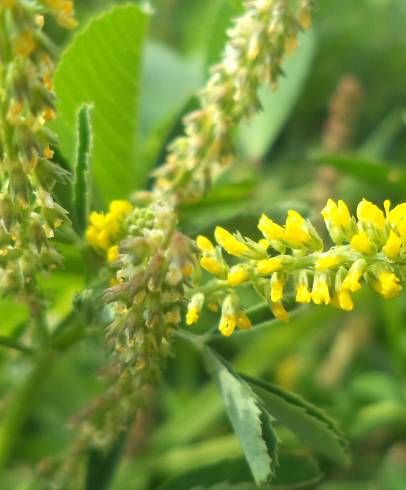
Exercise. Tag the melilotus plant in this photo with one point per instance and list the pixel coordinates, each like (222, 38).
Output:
(147, 282)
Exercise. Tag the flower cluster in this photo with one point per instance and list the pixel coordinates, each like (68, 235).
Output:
(253, 56)
(29, 214)
(291, 260)
(106, 230)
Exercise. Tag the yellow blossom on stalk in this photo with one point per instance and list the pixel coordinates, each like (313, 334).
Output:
(204, 244)
(243, 321)
(194, 309)
(392, 246)
(229, 242)
(361, 243)
(212, 265)
(368, 251)
(387, 284)
(113, 253)
(277, 286)
(268, 266)
(227, 324)
(370, 213)
(326, 262)
(279, 312)
(237, 275)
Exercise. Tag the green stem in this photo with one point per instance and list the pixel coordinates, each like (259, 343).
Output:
(14, 344)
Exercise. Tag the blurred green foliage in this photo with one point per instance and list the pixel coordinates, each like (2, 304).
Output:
(353, 365)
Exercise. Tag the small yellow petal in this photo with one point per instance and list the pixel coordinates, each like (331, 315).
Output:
(392, 246)
(204, 244)
(229, 242)
(112, 253)
(269, 266)
(212, 265)
(279, 312)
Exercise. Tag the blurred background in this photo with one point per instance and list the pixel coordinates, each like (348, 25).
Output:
(334, 128)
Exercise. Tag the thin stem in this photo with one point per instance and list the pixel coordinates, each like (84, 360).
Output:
(14, 344)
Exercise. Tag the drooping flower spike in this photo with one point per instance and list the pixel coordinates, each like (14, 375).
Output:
(367, 249)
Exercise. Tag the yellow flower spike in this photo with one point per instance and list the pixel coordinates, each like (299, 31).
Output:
(344, 300)
(361, 243)
(269, 229)
(320, 291)
(370, 213)
(277, 286)
(194, 309)
(388, 284)
(229, 242)
(303, 294)
(266, 267)
(243, 321)
(351, 281)
(392, 246)
(237, 275)
(227, 325)
(279, 312)
(204, 244)
(112, 253)
(212, 265)
(327, 262)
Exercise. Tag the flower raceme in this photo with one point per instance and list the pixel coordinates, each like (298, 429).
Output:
(368, 249)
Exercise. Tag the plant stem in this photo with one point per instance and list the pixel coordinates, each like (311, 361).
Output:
(14, 344)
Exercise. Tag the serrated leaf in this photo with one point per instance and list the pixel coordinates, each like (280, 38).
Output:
(257, 137)
(102, 66)
(82, 184)
(305, 420)
(251, 424)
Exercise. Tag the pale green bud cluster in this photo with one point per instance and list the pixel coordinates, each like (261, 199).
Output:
(290, 260)
(29, 214)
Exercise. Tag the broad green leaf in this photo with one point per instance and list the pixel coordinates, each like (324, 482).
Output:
(82, 184)
(379, 174)
(305, 420)
(102, 67)
(257, 137)
(250, 423)
(159, 108)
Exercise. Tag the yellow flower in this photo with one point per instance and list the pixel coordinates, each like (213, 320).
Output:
(370, 213)
(231, 245)
(344, 300)
(303, 294)
(243, 321)
(204, 244)
(338, 220)
(277, 286)
(228, 323)
(120, 208)
(212, 265)
(269, 229)
(351, 281)
(320, 291)
(296, 233)
(397, 214)
(264, 244)
(194, 308)
(237, 275)
(361, 243)
(392, 246)
(112, 253)
(279, 312)
(388, 284)
(327, 262)
(269, 266)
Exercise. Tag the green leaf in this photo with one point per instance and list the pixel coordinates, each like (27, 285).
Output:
(82, 185)
(294, 471)
(379, 174)
(251, 423)
(306, 421)
(159, 109)
(257, 137)
(102, 67)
